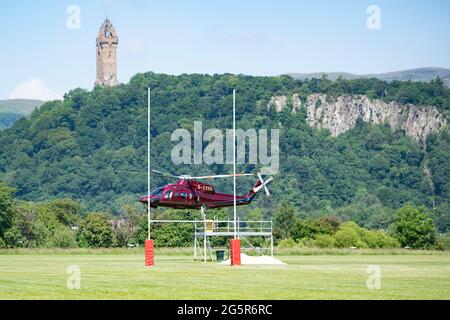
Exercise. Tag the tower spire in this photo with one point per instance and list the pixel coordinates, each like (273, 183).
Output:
(107, 41)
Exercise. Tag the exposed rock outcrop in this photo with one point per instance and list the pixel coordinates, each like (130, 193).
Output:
(340, 115)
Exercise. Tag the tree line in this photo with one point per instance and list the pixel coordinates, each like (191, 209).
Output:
(64, 223)
(411, 228)
(91, 147)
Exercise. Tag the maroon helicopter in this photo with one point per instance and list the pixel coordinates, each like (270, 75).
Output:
(188, 193)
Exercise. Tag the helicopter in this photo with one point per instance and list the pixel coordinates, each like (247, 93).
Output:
(188, 193)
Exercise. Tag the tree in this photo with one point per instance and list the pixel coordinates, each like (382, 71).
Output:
(309, 229)
(67, 211)
(126, 226)
(442, 217)
(6, 208)
(283, 221)
(413, 227)
(95, 231)
(14, 238)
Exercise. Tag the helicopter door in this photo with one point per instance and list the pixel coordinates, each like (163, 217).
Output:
(176, 199)
(179, 198)
(184, 197)
(191, 199)
(167, 196)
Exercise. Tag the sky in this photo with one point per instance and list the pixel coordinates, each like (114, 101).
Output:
(44, 53)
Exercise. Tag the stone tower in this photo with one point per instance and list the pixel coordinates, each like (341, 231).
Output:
(107, 41)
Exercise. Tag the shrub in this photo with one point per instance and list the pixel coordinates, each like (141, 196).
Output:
(370, 238)
(324, 241)
(14, 238)
(287, 243)
(62, 238)
(379, 239)
(346, 237)
(443, 242)
(352, 235)
(309, 229)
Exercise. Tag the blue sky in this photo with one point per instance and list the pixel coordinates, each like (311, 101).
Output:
(41, 57)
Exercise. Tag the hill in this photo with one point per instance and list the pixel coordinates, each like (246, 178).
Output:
(14, 109)
(92, 145)
(19, 106)
(420, 74)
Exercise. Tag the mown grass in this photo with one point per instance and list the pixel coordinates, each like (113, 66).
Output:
(189, 251)
(349, 251)
(94, 251)
(116, 275)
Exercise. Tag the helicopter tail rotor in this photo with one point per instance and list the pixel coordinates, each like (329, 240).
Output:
(264, 183)
(259, 185)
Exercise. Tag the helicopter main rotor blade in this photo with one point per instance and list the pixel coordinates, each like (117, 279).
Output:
(135, 172)
(223, 176)
(128, 172)
(188, 177)
(165, 174)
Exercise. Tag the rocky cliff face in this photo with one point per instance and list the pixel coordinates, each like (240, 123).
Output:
(340, 115)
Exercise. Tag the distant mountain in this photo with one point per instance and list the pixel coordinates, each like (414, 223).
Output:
(20, 106)
(14, 109)
(421, 74)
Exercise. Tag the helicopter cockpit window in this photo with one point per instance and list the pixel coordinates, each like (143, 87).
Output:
(168, 195)
(157, 192)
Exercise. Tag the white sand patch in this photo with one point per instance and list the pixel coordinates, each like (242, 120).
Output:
(255, 260)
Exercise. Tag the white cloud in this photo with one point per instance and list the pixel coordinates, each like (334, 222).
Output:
(35, 89)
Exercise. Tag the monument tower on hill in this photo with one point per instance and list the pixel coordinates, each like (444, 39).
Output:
(107, 41)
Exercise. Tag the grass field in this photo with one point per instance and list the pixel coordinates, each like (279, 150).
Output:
(123, 276)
